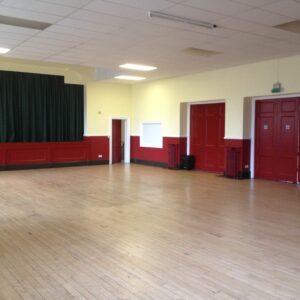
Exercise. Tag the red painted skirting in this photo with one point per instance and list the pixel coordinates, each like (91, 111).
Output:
(159, 155)
(61, 152)
(242, 148)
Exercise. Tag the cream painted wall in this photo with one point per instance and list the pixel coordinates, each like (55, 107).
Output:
(106, 101)
(160, 100)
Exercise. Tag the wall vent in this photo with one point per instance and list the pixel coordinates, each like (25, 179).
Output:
(293, 26)
(200, 52)
(23, 23)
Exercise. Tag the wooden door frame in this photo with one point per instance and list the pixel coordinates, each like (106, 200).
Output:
(253, 115)
(127, 138)
(188, 126)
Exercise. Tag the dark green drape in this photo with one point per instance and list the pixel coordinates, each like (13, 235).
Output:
(39, 108)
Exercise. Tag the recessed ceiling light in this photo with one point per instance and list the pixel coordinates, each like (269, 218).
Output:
(4, 50)
(137, 67)
(129, 77)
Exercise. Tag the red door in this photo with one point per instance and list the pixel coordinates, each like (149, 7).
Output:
(116, 141)
(207, 136)
(277, 139)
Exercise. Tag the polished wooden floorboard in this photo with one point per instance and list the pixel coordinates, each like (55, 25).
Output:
(136, 232)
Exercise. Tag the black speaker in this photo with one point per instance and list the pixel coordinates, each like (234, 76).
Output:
(188, 162)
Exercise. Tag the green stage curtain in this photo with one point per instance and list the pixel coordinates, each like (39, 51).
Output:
(39, 108)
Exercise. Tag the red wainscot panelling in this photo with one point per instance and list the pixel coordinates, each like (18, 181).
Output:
(237, 158)
(70, 152)
(182, 146)
(157, 156)
(93, 150)
(26, 153)
(99, 147)
(2, 155)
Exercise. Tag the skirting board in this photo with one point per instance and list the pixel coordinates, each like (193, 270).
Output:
(149, 163)
(53, 165)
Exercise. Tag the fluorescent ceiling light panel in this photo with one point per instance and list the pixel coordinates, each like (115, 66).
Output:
(129, 77)
(138, 67)
(4, 50)
(157, 14)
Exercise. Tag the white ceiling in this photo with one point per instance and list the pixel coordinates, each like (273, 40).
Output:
(105, 34)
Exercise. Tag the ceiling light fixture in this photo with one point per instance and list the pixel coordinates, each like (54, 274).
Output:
(129, 77)
(4, 50)
(138, 67)
(157, 14)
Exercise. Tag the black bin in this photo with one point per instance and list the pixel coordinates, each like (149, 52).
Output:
(188, 162)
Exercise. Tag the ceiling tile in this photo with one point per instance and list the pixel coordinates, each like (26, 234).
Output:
(46, 51)
(264, 17)
(72, 30)
(64, 59)
(19, 30)
(67, 38)
(256, 3)
(177, 1)
(108, 42)
(224, 7)
(193, 13)
(51, 41)
(36, 6)
(145, 4)
(287, 8)
(71, 3)
(80, 24)
(100, 18)
(9, 43)
(26, 55)
(238, 25)
(146, 29)
(115, 9)
(13, 35)
(37, 45)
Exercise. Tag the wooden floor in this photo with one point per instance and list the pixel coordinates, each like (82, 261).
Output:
(135, 232)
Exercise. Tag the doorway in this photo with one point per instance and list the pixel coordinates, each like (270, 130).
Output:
(119, 143)
(207, 129)
(277, 138)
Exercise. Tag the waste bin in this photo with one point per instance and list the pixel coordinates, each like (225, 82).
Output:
(188, 162)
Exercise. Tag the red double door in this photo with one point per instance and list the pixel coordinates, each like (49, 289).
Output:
(207, 129)
(277, 136)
